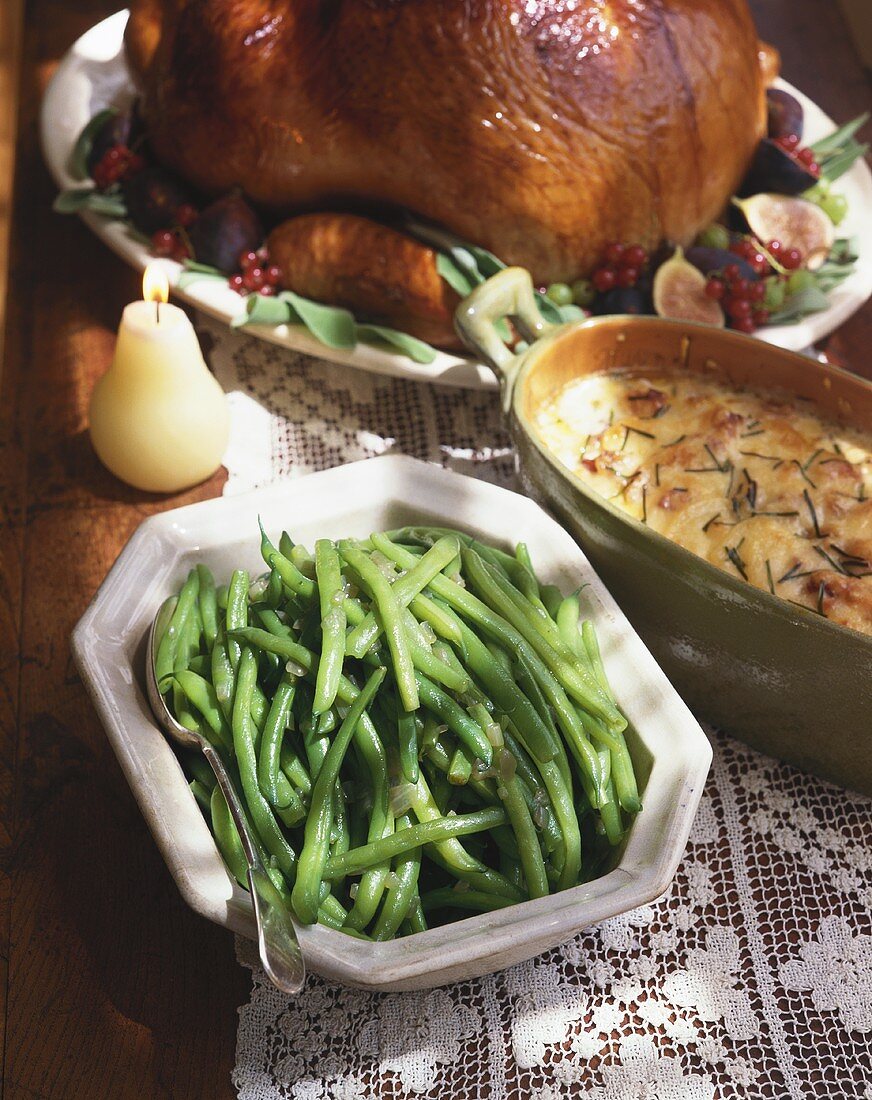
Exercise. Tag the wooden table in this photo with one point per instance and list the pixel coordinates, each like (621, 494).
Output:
(114, 989)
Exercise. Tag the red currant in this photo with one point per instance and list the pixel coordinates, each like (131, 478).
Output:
(774, 248)
(247, 260)
(628, 276)
(791, 258)
(186, 215)
(604, 279)
(263, 254)
(791, 141)
(253, 278)
(163, 242)
(746, 324)
(180, 252)
(235, 283)
(613, 253)
(805, 155)
(732, 272)
(267, 291)
(635, 256)
(273, 275)
(741, 288)
(738, 308)
(715, 289)
(759, 263)
(757, 292)
(761, 316)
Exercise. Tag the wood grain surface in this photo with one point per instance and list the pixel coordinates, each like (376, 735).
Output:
(112, 987)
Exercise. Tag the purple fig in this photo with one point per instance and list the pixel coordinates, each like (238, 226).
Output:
(152, 197)
(224, 230)
(708, 260)
(776, 169)
(785, 113)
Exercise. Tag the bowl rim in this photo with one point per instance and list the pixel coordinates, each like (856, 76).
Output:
(530, 359)
(642, 874)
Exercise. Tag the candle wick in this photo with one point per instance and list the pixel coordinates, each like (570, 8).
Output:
(157, 310)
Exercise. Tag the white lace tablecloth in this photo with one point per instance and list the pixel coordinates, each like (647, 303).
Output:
(751, 978)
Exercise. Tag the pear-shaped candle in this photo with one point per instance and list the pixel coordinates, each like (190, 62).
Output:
(159, 419)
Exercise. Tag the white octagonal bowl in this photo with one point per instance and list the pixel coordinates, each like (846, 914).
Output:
(669, 750)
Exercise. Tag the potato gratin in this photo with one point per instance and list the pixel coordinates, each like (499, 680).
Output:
(754, 482)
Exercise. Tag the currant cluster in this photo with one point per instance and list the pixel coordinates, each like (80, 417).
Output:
(621, 265)
(117, 163)
(742, 299)
(790, 143)
(257, 275)
(788, 258)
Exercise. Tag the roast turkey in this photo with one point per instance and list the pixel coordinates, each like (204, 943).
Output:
(538, 128)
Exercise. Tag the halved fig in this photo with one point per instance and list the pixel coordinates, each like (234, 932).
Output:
(774, 168)
(785, 113)
(679, 293)
(795, 222)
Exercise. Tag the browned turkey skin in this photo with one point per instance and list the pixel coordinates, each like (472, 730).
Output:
(538, 128)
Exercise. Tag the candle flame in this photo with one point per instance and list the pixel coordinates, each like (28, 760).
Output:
(155, 284)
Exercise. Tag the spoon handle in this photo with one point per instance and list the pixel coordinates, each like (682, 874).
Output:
(276, 936)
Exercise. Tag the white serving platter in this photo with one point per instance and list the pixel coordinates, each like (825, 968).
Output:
(670, 752)
(93, 75)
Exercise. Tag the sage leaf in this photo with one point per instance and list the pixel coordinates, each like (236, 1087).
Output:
(109, 204)
(457, 279)
(417, 350)
(797, 306)
(85, 143)
(331, 325)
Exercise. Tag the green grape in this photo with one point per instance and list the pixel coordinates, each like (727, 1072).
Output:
(715, 236)
(799, 281)
(835, 206)
(583, 293)
(818, 193)
(776, 292)
(559, 293)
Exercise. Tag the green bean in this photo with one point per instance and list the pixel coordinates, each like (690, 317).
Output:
(552, 598)
(331, 592)
(452, 855)
(388, 608)
(294, 581)
(236, 615)
(457, 720)
(426, 832)
(508, 696)
(201, 793)
(269, 757)
(428, 611)
(509, 790)
(208, 604)
(227, 838)
(223, 679)
(415, 918)
(399, 897)
(459, 767)
(201, 695)
(610, 816)
(567, 626)
(221, 597)
(405, 589)
(314, 856)
(165, 658)
(424, 659)
(243, 744)
(182, 709)
(577, 682)
(407, 734)
(295, 770)
(449, 897)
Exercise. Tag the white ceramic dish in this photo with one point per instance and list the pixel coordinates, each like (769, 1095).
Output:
(670, 751)
(93, 74)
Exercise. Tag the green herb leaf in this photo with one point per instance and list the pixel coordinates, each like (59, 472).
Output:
(108, 203)
(264, 311)
(85, 143)
(839, 138)
(838, 164)
(797, 306)
(332, 325)
(457, 279)
(417, 350)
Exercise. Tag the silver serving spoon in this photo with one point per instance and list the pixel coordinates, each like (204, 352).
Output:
(276, 936)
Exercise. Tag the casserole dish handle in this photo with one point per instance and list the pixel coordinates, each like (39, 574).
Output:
(507, 294)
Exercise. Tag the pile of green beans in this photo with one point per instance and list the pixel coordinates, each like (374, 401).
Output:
(380, 699)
